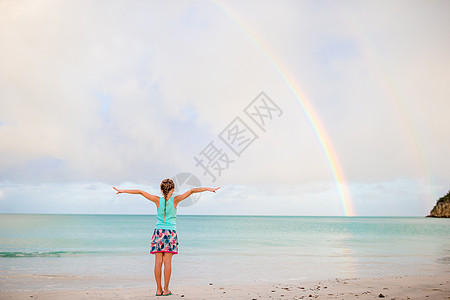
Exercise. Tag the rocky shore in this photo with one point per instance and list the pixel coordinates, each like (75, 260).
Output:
(442, 208)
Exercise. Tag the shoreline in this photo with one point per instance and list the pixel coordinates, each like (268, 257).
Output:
(390, 287)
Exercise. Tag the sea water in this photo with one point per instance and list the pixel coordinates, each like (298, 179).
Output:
(96, 251)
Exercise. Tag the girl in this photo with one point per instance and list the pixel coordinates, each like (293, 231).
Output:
(164, 239)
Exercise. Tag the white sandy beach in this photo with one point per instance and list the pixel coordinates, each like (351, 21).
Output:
(398, 288)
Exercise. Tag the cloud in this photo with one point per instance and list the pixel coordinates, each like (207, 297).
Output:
(391, 198)
(96, 92)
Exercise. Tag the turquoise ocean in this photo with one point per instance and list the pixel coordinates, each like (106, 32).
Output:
(104, 251)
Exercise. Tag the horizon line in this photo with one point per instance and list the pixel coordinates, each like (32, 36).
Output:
(214, 215)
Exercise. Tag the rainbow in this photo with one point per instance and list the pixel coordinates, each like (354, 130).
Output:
(402, 109)
(306, 108)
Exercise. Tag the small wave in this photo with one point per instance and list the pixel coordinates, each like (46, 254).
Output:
(45, 254)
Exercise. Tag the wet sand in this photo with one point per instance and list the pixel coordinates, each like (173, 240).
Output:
(398, 288)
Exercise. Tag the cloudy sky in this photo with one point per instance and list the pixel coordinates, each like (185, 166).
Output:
(95, 94)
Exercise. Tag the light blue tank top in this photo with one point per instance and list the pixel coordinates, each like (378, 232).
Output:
(171, 214)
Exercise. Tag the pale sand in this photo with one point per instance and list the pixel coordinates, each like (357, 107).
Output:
(399, 287)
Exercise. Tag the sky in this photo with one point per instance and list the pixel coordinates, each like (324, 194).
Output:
(306, 108)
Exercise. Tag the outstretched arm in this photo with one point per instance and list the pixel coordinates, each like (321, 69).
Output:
(150, 197)
(181, 197)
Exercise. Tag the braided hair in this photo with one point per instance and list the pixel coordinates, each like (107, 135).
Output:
(166, 186)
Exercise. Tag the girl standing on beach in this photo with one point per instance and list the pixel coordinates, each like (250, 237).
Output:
(164, 239)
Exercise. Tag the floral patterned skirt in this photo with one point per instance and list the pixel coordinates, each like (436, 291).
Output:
(164, 240)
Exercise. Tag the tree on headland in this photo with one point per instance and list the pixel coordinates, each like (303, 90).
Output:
(442, 208)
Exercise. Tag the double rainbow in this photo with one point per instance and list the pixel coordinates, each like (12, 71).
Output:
(308, 111)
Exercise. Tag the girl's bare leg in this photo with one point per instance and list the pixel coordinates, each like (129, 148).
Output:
(158, 266)
(167, 271)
